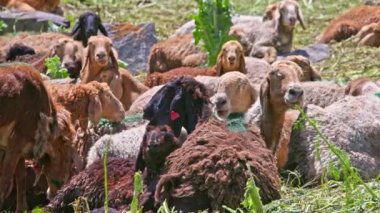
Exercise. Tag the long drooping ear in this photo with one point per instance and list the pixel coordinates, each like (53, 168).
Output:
(300, 17)
(75, 28)
(140, 162)
(95, 109)
(113, 55)
(242, 67)
(269, 12)
(103, 29)
(219, 63)
(85, 72)
(277, 17)
(264, 94)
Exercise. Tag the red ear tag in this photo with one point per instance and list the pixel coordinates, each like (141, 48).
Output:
(174, 115)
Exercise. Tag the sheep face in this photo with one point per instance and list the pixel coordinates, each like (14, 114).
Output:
(221, 105)
(282, 86)
(100, 50)
(70, 54)
(112, 108)
(231, 58)
(288, 14)
(88, 25)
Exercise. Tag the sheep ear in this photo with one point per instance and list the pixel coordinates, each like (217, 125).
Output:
(75, 28)
(103, 29)
(242, 62)
(219, 63)
(114, 60)
(84, 73)
(95, 108)
(140, 162)
(300, 18)
(264, 94)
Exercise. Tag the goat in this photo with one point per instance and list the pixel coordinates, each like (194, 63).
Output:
(90, 101)
(88, 25)
(100, 64)
(28, 122)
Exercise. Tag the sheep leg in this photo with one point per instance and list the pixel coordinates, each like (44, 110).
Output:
(21, 186)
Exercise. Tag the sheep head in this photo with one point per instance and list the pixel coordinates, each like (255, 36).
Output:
(285, 13)
(104, 104)
(88, 25)
(158, 143)
(230, 58)
(221, 106)
(70, 53)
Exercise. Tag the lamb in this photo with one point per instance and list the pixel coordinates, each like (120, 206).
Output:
(351, 124)
(230, 58)
(190, 173)
(90, 101)
(88, 25)
(70, 54)
(349, 23)
(166, 107)
(32, 5)
(369, 35)
(178, 51)
(274, 35)
(157, 144)
(361, 86)
(28, 122)
(100, 64)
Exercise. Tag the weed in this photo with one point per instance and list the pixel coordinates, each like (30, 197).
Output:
(55, 71)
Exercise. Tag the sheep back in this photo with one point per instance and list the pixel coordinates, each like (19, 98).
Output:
(213, 161)
(322, 93)
(352, 124)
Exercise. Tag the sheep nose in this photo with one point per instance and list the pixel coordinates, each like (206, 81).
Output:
(101, 55)
(231, 58)
(292, 20)
(296, 91)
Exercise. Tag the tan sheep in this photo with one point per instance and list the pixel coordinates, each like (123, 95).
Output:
(100, 64)
(88, 102)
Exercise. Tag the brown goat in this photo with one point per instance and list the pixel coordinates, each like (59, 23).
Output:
(230, 58)
(369, 35)
(349, 23)
(90, 101)
(361, 86)
(70, 53)
(28, 121)
(100, 64)
(178, 51)
(31, 5)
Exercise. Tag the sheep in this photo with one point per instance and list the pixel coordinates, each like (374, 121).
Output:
(190, 173)
(257, 69)
(178, 51)
(88, 25)
(70, 54)
(369, 35)
(180, 103)
(211, 83)
(157, 144)
(100, 64)
(157, 78)
(349, 23)
(351, 124)
(322, 93)
(90, 101)
(28, 122)
(309, 72)
(138, 105)
(361, 86)
(230, 58)
(274, 35)
(32, 5)
(18, 49)
(210, 169)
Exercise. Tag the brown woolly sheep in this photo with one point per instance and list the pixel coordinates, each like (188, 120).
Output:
(32, 5)
(157, 143)
(100, 64)
(272, 36)
(178, 51)
(349, 23)
(28, 121)
(210, 169)
(369, 35)
(361, 86)
(90, 101)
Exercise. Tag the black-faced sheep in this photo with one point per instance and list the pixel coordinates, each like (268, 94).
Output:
(178, 51)
(88, 102)
(158, 143)
(349, 23)
(88, 25)
(100, 64)
(28, 122)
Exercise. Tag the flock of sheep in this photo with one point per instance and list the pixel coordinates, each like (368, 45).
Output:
(51, 152)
